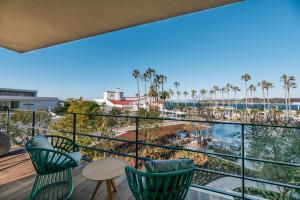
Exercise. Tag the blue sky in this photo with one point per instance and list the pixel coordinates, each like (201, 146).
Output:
(212, 47)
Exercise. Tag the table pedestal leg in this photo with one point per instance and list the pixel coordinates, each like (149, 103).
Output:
(96, 189)
(109, 189)
(113, 184)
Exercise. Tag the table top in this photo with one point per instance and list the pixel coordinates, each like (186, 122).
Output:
(104, 169)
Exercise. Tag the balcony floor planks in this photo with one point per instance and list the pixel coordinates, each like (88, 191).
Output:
(17, 178)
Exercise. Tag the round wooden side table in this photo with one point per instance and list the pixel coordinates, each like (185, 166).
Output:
(105, 169)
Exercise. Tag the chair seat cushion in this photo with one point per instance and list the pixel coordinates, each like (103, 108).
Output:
(61, 160)
(76, 156)
(161, 166)
(40, 141)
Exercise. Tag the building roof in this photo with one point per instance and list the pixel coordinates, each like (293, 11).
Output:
(29, 25)
(23, 98)
(122, 102)
(17, 90)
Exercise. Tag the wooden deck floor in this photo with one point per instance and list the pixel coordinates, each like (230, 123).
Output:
(15, 165)
(17, 178)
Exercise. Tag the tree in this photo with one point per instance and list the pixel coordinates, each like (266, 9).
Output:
(228, 88)
(203, 93)
(223, 90)
(211, 92)
(285, 79)
(176, 85)
(268, 85)
(235, 89)
(246, 77)
(252, 89)
(216, 90)
(137, 75)
(185, 93)
(262, 85)
(289, 82)
(275, 144)
(162, 79)
(171, 93)
(87, 124)
(193, 94)
(150, 73)
(145, 79)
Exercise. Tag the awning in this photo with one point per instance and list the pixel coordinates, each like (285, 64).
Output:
(26, 25)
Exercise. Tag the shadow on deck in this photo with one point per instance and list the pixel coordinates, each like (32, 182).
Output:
(17, 178)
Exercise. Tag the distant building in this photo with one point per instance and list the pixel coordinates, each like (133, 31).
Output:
(116, 99)
(25, 99)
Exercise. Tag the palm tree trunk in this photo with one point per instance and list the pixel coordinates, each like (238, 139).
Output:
(138, 85)
(268, 99)
(223, 99)
(246, 94)
(145, 96)
(289, 98)
(185, 103)
(264, 101)
(286, 101)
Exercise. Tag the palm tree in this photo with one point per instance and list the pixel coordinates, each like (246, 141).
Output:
(211, 92)
(150, 73)
(203, 93)
(193, 94)
(235, 89)
(228, 88)
(216, 89)
(262, 85)
(246, 77)
(291, 84)
(157, 82)
(252, 88)
(145, 79)
(162, 80)
(176, 85)
(223, 90)
(171, 93)
(185, 93)
(268, 85)
(137, 75)
(285, 79)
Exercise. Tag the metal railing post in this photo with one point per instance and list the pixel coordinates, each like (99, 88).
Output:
(7, 121)
(74, 129)
(243, 160)
(33, 124)
(136, 142)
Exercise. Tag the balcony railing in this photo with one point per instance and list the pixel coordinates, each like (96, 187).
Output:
(241, 157)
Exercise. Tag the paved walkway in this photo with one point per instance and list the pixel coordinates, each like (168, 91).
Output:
(231, 183)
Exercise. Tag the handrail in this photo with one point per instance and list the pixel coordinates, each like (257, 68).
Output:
(137, 143)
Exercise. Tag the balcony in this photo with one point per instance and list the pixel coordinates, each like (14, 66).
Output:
(229, 156)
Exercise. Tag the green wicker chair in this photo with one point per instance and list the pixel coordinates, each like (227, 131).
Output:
(54, 167)
(165, 186)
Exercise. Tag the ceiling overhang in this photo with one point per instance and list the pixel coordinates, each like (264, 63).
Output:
(27, 25)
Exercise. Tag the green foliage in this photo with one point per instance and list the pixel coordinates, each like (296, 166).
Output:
(277, 144)
(298, 112)
(60, 110)
(86, 124)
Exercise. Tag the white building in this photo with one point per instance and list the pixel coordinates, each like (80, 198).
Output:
(117, 99)
(25, 99)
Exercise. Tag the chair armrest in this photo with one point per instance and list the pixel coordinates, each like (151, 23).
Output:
(48, 161)
(62, 144)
